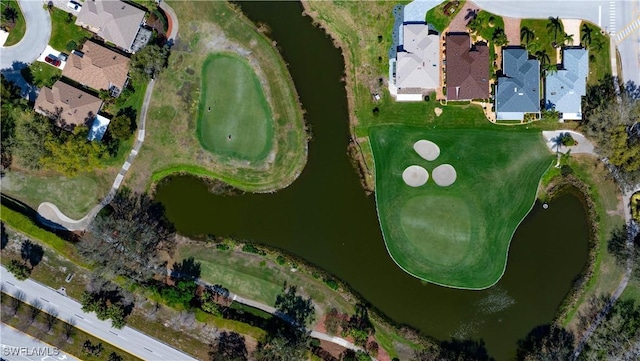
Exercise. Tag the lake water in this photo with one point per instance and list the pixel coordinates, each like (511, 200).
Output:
(326, 218)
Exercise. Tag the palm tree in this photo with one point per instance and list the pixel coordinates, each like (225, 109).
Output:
(543, 57)
(554, 25)
(586, 34)
(568, 39)
(10, 14)
(526, 34)
(499, 37)
(596, 44)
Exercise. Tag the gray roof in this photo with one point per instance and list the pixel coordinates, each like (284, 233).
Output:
(114, 21)
(565, 88)
(518, 91)
(416, 11)
(417, 65)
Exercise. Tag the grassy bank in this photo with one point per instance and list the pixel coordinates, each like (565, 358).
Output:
(18, 25)
(605, 195)
(173, 145)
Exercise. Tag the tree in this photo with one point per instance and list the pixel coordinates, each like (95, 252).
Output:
(332, 321)
(230, 346)
(546, 343)
(50, 318)
(617, 336)
(114, 357)
(526, 35)
(108, 301)
(542, 56)
(281, 349)
(567, 39)
(31, 252)
(296, 308)
(554, 25)
(499, 37)
(71, 46)
(149, 61)
(129, 236)
(10, 14)
(72, 154)
(31, 132)
(121, 127)
(187, 269)
(19, 269)
(585, 37)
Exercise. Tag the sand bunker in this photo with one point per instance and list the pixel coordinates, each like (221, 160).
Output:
(415, 176)
(444, 175)
(427, 150)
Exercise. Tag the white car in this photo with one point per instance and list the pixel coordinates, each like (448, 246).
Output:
(74, 6)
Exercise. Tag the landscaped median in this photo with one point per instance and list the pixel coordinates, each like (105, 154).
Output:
(226, 107)
(13, 19)
(456, 235)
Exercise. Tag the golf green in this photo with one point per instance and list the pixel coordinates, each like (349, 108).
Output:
(456, 236)
(234, 119)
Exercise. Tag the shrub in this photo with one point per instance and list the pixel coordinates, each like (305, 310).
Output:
(19, 269)
(222, 247)
(281, 260)
(331, 283)
(72, 45)
(249, 248)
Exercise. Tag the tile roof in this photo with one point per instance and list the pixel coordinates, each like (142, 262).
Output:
(114, 21)
(97, 67)
(518, 91)
(467, 68)
(417, 63)
(565, 88)
(75, 106)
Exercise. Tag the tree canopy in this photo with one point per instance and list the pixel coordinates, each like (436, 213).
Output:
(149, 61)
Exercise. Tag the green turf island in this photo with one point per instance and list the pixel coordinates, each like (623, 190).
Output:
(234, 119)
(456, 236)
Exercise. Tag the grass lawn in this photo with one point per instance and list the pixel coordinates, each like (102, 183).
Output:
(74, 196)
(486, 32)
(64, 30)
(41, 74)
(459, 235)
(234, 119)
(599, 59)
(438, 19)
(173, 145)
(19, 26)
(543, 38)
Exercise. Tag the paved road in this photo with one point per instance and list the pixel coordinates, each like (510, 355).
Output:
(173, 20)
(127, 339)
(35, 37)
(18, 346)
(614, 17)
(52, 216)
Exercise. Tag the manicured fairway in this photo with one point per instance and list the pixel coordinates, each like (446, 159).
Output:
(456, 236)
(234, 119)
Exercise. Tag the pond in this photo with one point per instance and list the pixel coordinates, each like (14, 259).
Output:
(326, 218)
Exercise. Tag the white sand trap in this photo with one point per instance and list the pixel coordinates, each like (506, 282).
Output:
(415, 176)
(427, 149)
(444, 175)
(438, 111)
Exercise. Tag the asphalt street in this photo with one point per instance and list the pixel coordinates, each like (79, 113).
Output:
(35, 38)
(618, 18)
(18, 346)
(127, 339)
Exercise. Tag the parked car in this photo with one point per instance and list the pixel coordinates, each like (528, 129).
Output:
(53, 60)
(63, 57)
(74, 6)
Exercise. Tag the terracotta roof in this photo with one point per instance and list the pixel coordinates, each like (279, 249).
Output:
(75, 106)
(467, 68)
(114, 21)
(98, 68)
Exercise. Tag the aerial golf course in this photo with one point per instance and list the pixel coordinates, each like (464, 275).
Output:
(456, 235)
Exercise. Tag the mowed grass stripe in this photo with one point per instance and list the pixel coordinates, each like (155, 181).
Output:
(234, 119)
(456, 236)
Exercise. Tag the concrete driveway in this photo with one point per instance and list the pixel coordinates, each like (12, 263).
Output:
(35, 38)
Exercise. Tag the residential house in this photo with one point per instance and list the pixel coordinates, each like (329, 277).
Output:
(98, 67)
(467, 68)
(67, 104)
(417, 71)
(115, 21)
(565, 88)
(518, 89)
